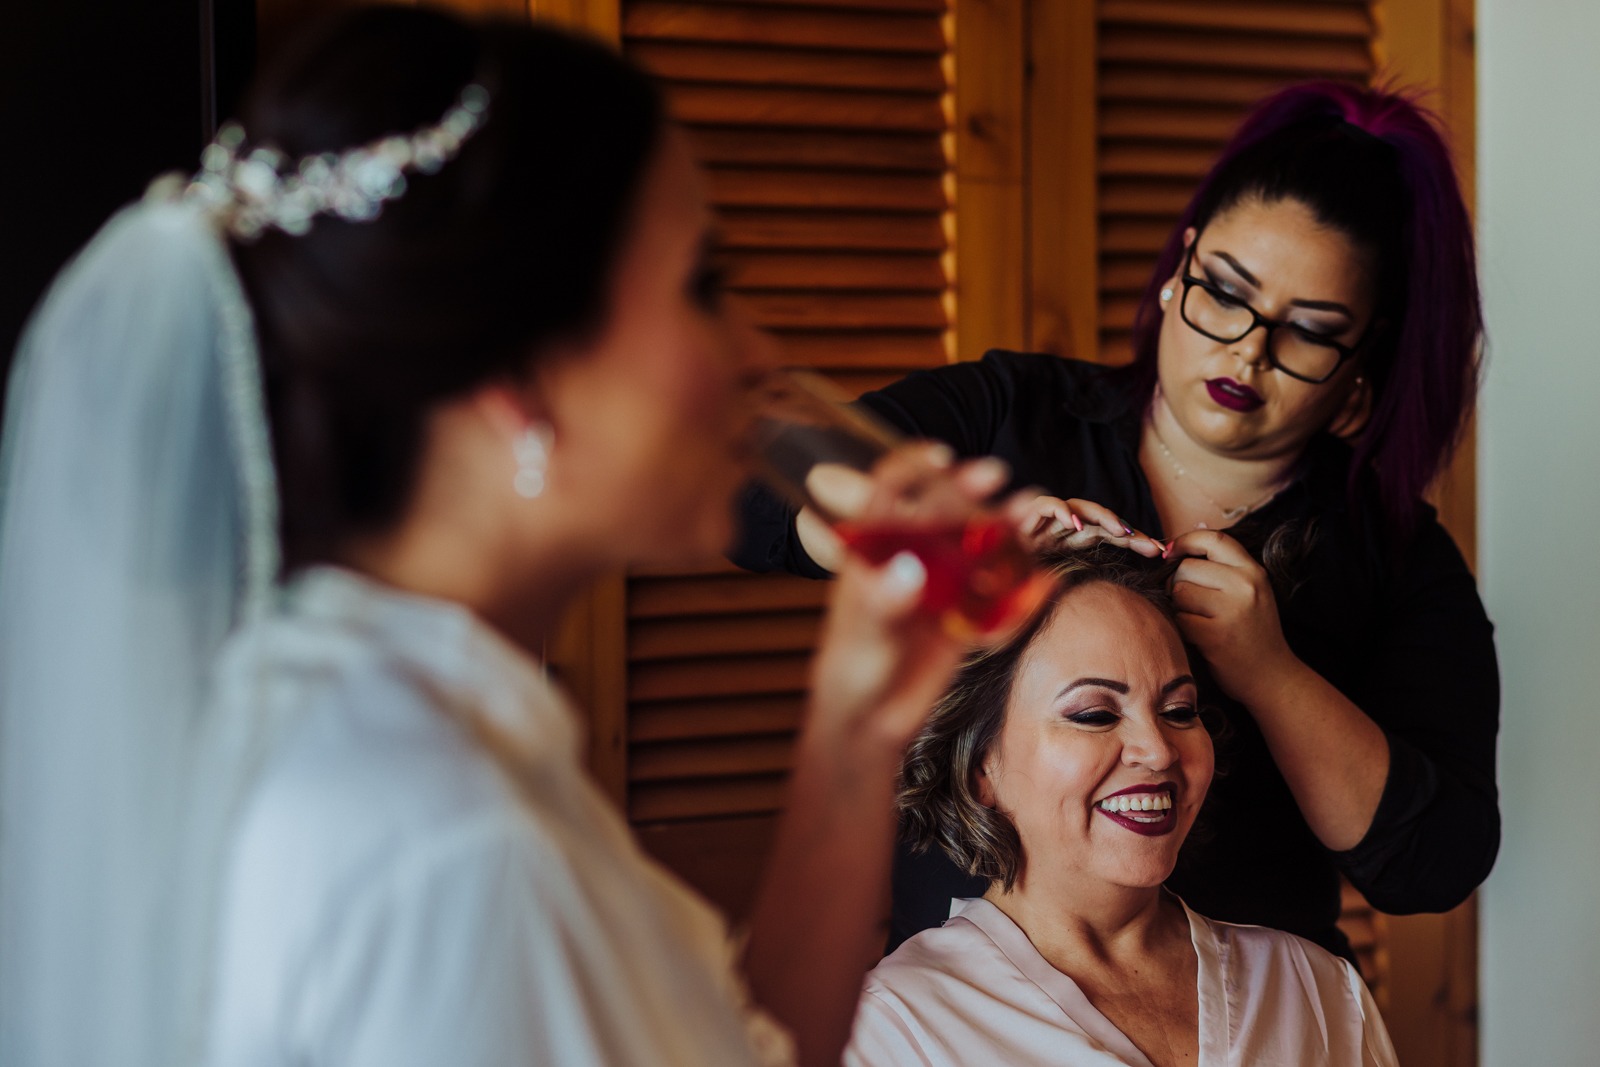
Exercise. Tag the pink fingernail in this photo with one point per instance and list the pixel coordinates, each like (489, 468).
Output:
(1077, 524)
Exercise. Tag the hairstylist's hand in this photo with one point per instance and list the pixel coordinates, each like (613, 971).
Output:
(1227, 610)
(881, 663)
(1046, 521)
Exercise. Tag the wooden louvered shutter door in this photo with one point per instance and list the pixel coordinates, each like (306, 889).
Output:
(822, 124)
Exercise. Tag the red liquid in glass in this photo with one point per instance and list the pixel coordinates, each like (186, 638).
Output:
(980, 578)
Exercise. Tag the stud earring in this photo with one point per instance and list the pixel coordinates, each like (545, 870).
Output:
(532, 449)
(1166, 296)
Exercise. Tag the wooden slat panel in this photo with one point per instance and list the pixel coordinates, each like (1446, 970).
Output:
(1166, 199)
(589, 656)
(835, 311)
(709, 565)
(720, 676)
(1310, 19)
(1125, 275)
(1169, 122)
(1307, 58)
(1121, 236)
(807, 108)
(721, 858)
(749, 188)
(601, 18)
(734, 594)
(654, 20)
(715, 758)
(824, 125)
(721, 634)
(780, 270)
(702, 717)
(658, 802)
(1117, 313)
(926, 7)
(1116, 349)
(864, 350)
(832, 231)
(832, 150)
(1155, 83)
(1176, 161)
(776, 66)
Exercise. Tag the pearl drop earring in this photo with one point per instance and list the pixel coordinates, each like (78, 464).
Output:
(532, 449)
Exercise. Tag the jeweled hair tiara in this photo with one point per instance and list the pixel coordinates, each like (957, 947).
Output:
(265, 189)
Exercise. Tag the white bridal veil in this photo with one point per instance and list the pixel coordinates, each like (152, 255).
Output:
(137, 526)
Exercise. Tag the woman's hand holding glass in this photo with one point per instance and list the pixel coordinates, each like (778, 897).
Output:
(883, 658)
(887, 651)
(883, 500)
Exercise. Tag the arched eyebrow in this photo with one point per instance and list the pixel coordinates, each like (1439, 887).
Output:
(1122, 687)
(1177, 683)
(1238, 268)
(1097, 683)
(1310, 305)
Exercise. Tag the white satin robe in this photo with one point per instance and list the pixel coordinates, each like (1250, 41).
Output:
(424, 875)
(976, 993)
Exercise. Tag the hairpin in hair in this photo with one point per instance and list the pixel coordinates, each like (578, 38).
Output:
(262, 190)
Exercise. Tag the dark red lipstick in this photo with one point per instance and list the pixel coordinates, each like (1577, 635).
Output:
(1165, 823)
(1233, 396)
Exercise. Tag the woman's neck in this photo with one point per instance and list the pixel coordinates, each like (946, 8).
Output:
(529, 619)
(1195, 486)
(1092, 924)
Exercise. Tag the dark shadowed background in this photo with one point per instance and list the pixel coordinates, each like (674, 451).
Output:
(97, 98)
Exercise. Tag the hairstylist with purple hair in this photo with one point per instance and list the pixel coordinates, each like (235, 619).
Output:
(1306, 355)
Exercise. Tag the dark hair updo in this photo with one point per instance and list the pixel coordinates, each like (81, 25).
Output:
(510, 247)
(1374, 166)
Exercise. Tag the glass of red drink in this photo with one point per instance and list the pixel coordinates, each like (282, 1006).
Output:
(821, 451)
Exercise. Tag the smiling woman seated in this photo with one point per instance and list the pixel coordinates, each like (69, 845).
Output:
(1068, 768)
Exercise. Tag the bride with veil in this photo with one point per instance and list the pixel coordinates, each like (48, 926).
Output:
(303, 458)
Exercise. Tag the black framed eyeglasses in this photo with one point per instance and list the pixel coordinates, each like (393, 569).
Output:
(1212, 311)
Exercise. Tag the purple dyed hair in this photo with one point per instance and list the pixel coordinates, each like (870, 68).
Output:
(1375, 166)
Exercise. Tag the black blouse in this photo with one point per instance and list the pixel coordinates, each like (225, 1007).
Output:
(1395, 624)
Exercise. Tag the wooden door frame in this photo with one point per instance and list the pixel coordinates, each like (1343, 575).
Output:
(1433, 1002)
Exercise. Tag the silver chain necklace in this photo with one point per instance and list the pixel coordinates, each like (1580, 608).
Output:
(1229, 515)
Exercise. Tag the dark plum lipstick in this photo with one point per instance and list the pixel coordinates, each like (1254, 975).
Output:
(1158, 823)
(1233, 396)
